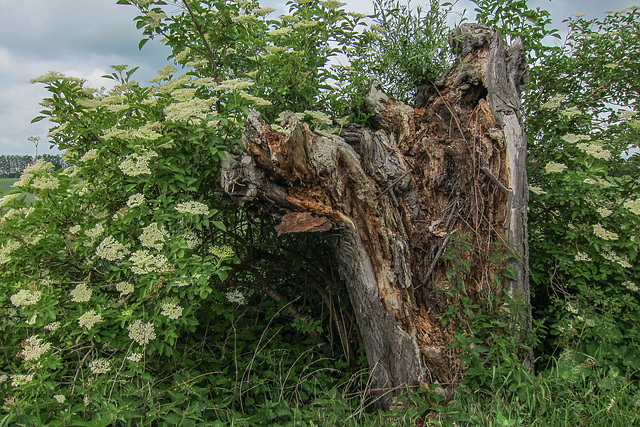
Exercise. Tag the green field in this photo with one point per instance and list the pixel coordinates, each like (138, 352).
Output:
(5, 185)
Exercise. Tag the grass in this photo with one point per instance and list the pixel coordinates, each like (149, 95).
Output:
(5, 185)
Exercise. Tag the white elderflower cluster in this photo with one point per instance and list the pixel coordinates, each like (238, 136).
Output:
(553, 167)
(153, 237)
(280, 31)
(100, 366)
(74, 229)
(112, 250)
(60, 398)
(125, 288)
(136, 200)
(171, 310)
(595, 150)
(19, 379)
(623, 261)
(53, 326)
(631, 286)
(45, 183)
(40, 167)
(189, 111)
(305, 24)
(137, 164)
(192, 240)
(94, 233)
(33, 348)
(571, 112)
(89, 319)
(319, 117)
(261, 11)
(6, 249)
(54, 76)
(260, 102)
(234, 84)
(633, 206)
(25, 297)
(141, 332)
(134, 357)
(332, 4)
(573, 138)
(599, 182)
(242, 18)
(81, 293)
(553, 103)
(582, 257)
(222, 252)
(537, 190)
(183, 94)
(193, 208)
(234, 296)
(145, 262)
(604, 212)
(602, 233)
(89, 155)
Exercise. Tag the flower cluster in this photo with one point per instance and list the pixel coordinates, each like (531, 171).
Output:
(112, 250)
(19, 379)
(553, 167)
(136, 200)
(595, 150)
(234, 296)
(125, 288)
(53, 326)
(633, 206)
(141, 332)
(537, 190)
(81, 293)
(60, 398)
(601, 232)
(193, 208)
(222, 252)
(188, 111)
(138, 164)
(153, 237)
(89, 155)
(6, 249)
(623, 261)
(145, 262)
(100, 366)
(134, 357)
(89, 319)
(33, 348)
(171, 310)
(192, 240)
(25, 297)
(45, 183)
(582, 257)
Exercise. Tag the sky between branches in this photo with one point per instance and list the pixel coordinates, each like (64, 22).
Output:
(83, 38)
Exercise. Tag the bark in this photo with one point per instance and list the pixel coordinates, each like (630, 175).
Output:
(449, 169)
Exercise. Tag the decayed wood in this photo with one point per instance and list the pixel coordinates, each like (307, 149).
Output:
(449, 169)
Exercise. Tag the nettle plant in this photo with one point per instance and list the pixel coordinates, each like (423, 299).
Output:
(106, 266)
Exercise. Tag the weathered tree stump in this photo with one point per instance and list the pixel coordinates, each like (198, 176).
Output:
(452, 166)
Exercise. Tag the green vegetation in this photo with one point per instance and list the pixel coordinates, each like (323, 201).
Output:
(132, 293)
(6, 184)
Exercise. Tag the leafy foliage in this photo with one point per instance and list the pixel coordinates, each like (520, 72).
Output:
(133, 293)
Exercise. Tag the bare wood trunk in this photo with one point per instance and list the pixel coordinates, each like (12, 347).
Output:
(397, 197)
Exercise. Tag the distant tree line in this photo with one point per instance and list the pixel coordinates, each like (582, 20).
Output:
(12, 165)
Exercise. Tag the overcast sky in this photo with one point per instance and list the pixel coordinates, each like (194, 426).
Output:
(83, 38)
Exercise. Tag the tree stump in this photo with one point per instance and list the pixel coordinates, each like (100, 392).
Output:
(396, 197)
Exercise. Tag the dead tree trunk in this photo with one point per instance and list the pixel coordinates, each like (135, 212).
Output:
(451, 167)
